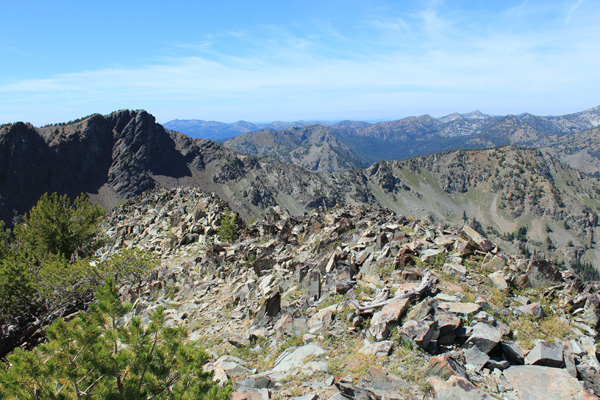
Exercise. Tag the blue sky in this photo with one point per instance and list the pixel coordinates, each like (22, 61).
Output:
(289, 60)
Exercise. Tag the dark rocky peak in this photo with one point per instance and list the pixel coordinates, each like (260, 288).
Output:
(124, 121)
(123, 151)
(33, 162)
(17, 132)
(92, 134)
(142, 147)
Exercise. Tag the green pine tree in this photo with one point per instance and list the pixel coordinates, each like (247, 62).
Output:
(96, 356)
(58, 226)
(228, 230)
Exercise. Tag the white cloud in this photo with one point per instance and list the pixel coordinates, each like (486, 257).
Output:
(390, 66)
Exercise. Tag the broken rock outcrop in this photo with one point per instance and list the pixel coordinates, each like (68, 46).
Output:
(358, 302)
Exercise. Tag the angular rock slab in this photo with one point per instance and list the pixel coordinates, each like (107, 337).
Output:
(513, 353)
(429, 255)
(569, 359)
(419, 332)
(295, 358)
(420, 310)
(256, 382)
(533, 382)
(466, 309)
(447, 326)
(457, 388)
(445, 366)
(590, 375)
(312, 282)
(380, 379)
(534, 309)
(252, 394)
(270, 307)
(484, 337)
(383, 320)
(320, 320)
(476, 359)
(495, 264)
(541, 273)
(475, 239)
(378, 349)
(497, 279)
(232, 366)
(548, 354)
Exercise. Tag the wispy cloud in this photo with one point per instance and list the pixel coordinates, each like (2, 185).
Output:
(572, 11)
(434, 60)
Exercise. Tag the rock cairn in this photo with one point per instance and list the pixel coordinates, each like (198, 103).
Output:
(361, 303)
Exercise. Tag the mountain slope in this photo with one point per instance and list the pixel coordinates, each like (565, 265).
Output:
(362, 302)
(579, 150)
(313, 148)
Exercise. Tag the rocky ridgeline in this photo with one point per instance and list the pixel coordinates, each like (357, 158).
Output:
(162, 221)
(360, 303)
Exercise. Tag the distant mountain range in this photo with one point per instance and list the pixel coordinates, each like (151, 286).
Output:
(356, 144)
(117, 156)
(220, 131)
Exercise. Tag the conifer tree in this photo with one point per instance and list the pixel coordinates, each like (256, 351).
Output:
(97, 356)
(228, 230)
(58, 226)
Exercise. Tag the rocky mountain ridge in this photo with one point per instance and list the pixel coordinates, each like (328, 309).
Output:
(454, 124)
(314, 148)
(359, 302)
(115, 157)
(415, 136)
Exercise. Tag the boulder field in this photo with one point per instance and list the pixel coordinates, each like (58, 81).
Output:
(359, 302)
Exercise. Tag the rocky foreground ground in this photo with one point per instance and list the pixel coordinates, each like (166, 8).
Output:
(361, 303)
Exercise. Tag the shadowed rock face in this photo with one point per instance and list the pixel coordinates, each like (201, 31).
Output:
(122, 150)
(54, 159)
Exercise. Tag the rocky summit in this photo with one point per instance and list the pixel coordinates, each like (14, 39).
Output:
(359, 302)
